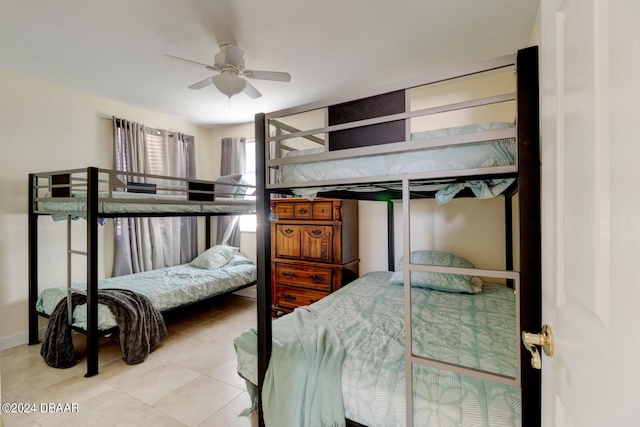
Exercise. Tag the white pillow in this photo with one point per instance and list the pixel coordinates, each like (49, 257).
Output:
(214, 257)
(227, 190)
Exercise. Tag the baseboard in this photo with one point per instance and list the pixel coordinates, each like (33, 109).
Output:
(19, 339)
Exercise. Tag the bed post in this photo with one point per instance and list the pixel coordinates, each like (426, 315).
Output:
(92, 272)
(33, 265)
(530, 218)
(207, 232)
(391, 256)
(263, 244)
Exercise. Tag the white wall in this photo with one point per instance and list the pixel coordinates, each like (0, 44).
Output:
(473, 229)
(44, 127)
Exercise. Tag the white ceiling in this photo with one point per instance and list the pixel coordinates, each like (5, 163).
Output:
(113, 48)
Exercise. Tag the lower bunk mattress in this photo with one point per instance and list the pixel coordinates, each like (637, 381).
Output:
(166, 288)
(476, 330)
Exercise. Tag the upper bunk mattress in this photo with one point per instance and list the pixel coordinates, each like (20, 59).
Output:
(121, 202)
(477, 330)
(483, 154)
(167, 288)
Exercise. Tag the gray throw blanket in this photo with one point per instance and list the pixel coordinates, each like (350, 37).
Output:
(141, 327)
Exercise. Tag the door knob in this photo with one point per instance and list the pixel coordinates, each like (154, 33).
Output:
(532, 341)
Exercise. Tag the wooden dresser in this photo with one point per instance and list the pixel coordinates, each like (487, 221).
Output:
(314, 249)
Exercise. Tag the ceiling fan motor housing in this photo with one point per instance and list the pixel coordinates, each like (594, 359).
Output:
(221, 64)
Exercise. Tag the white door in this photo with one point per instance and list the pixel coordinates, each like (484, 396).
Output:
(590, 122)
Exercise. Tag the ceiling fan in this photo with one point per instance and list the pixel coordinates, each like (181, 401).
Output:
(229, 63)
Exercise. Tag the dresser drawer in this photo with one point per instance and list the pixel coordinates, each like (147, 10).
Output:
(322, 211)
(290, 297)
(306, 276)
(283, 210)
(302, 210)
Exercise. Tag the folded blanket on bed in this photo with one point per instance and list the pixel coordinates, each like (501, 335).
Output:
(306, 358)
(141, 327)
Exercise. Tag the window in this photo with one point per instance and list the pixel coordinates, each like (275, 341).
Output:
(248, 222)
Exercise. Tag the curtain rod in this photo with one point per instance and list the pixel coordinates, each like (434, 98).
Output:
(157, 130)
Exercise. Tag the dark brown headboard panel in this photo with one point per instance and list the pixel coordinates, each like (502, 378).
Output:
(367, 108)
(61, 179)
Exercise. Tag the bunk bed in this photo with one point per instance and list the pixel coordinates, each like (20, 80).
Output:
(373, 125)
(96, 194)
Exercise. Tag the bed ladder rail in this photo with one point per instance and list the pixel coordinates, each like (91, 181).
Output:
(70, 289)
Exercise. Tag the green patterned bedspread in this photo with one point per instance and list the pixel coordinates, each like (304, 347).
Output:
(473, 330)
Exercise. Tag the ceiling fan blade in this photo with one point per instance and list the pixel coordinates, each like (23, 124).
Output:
(233, 55)
(203, 83)
(267, 75)
(200, 64)
(251, 91)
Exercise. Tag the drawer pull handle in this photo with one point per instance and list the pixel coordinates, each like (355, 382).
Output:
(316, 232)
(288, 274)
(288, 231)
(288, 298)
(302, 211)
(316, 279)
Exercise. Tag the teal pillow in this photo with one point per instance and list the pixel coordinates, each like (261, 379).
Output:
(239, 259)
(460, 283)
(214, 257)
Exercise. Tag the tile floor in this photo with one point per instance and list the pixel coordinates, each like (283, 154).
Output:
(190, 379)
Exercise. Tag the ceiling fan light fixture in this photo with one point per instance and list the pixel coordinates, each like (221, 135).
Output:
(229, 83)
(229, 62)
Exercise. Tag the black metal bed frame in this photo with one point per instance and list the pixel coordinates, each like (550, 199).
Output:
(527, 186)
(92, 215)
